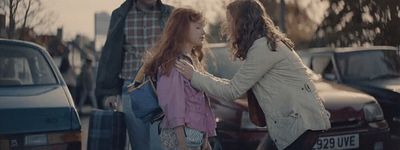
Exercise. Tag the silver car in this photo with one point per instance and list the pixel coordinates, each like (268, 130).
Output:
(36, 108)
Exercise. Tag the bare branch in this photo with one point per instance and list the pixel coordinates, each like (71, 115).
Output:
(28, 7)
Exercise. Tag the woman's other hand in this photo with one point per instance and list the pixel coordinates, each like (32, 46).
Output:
(185, 68)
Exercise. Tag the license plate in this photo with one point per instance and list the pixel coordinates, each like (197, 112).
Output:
(337, 142)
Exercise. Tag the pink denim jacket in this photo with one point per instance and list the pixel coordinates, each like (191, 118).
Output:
(184, 105)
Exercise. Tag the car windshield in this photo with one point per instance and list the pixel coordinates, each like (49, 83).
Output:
(369, 65)
(220, 64)
(21, 66)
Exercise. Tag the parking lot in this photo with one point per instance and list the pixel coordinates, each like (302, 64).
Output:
(394, 143)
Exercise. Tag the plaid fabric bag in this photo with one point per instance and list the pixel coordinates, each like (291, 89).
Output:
(107, 130)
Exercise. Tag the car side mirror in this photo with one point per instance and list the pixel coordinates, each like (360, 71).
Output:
(329, 76)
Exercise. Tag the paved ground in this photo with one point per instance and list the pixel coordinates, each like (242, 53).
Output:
(85, 125)
(394, 144)
(84, 116)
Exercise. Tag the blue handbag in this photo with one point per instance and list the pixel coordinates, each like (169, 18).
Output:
(144, 101)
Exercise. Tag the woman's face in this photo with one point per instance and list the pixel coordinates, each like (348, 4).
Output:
(196, 33)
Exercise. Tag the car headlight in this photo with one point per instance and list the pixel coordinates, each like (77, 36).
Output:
(246, 123)
(373, 112)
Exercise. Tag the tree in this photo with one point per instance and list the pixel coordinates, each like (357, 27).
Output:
(360, 22)
(213, 10)
(301, 18)
(24, 15)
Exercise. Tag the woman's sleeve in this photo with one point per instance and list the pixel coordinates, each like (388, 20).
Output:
(259, 60)
(171, 97)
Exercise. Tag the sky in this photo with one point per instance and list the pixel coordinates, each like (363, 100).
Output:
(77, 16)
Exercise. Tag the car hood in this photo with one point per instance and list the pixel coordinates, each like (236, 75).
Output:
(387, 84)
(34, 109)
(344, 103)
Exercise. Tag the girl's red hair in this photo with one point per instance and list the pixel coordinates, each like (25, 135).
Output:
(164, 54)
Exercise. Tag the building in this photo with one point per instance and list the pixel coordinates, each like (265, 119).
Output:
(101, 23)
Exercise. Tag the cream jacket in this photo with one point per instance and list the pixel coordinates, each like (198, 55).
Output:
(282, 87)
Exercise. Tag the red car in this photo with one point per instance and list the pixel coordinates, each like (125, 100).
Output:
(356, 118)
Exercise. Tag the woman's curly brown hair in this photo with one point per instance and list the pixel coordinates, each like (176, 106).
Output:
(247, 22)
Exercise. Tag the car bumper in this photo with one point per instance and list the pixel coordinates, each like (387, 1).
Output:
(59, 141)
(374, 136)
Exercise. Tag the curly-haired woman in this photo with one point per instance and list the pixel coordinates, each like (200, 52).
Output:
(272, 70)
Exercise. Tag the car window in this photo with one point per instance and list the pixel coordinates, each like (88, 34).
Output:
(220, 64)
(321, 64)
(24, 66)
(369, 65)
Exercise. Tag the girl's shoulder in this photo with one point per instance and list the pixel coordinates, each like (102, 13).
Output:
(187, 58)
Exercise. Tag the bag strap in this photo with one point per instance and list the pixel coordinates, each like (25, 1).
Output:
(257, 116)
(139, 78)
(140, 75)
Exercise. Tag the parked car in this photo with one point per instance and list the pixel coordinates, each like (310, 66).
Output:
(374, 70)
(36, 108)
(356, 118)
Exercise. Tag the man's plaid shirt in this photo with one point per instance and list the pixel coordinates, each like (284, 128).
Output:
(142, 30)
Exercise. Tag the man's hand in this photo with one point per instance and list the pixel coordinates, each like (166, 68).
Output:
(111, 102)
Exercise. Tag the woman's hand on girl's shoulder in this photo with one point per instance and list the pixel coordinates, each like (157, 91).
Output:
(185, 68)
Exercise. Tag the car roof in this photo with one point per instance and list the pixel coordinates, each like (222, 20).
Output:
(13, 42)
(348, 49)
(20, 43)
(216, 45)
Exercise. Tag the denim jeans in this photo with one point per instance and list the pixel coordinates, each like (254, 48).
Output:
(170, 141)
(142, 136)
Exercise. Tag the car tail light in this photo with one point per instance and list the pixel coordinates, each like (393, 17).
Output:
(373, 112)
(52, 138)
(65, 137)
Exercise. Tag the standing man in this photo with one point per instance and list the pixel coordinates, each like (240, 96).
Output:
(87, 84)
(134, 27)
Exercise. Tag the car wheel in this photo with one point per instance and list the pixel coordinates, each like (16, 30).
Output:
(215, 143)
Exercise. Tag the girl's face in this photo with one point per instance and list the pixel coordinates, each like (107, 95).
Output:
(196, 33)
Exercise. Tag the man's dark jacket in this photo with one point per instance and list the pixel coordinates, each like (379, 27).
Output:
(110, 64)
